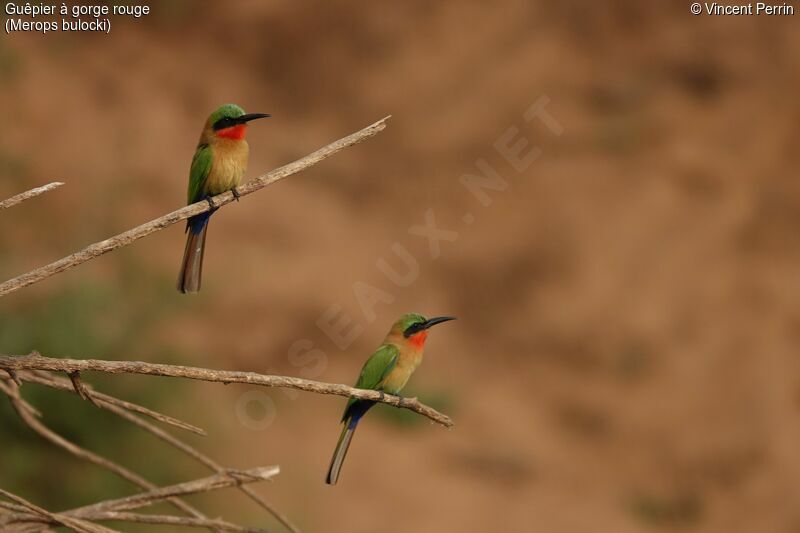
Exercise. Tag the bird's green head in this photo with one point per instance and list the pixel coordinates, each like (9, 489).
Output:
(414, 326)
(230, 121)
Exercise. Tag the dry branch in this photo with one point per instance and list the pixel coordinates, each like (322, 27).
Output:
(35, 361)
(202, 459)
(27, 195)
(139, 518)
(115, 509)
(170, 520)
(58, 519)
(123, 409)
(228, 478)
(123, 239)
(105, 401)
(24, 410)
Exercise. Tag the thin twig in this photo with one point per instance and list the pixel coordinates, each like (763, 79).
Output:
(201, 458)
(74, 523)
(34, 361)
(14, 377)
(106, 509)
(170, 520)
(123, 239)
(27, 195)
(26, 528)
(228, 478)
(80, 388)
(104, 400)
(102, 516)
(13, 507)
(12, 391)
(205, 460)
(122, 408)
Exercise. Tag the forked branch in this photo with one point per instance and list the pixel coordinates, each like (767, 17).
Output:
(34, 361)
(130, 412)
(115, 509)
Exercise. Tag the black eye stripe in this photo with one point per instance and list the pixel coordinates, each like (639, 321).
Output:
(223, 123)
(414, 328)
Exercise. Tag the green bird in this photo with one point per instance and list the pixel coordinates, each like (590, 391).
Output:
(387, 370)
(218, 165)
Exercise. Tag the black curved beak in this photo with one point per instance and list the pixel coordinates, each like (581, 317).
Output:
(250, 116)
(438, 320)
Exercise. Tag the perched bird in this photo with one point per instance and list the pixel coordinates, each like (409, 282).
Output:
(218, 165)
(387, 370)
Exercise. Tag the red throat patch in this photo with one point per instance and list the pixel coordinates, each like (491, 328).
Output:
(234, 132)
(418, 340)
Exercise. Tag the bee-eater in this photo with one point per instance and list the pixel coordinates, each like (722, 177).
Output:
(387, 370)
(218, 165)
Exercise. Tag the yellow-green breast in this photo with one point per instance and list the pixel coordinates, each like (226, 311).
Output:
(407, 362)
(229, 165)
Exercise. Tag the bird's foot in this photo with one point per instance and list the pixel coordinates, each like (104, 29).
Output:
(400, 398)
(210, 203)
(406, 401)
(235, 193)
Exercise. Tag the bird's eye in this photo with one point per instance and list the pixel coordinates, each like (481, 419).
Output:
(222, 123)
(413, 328)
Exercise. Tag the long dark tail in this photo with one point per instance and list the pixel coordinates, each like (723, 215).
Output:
(192, 266)
(351, 417)
(340, 452)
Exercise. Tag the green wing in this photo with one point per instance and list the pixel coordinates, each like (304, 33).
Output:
(376, 369)
(201, 166)
(377, 366)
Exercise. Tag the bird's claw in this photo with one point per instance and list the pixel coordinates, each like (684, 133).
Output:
(235, 193)
(405, 401)
(210, 203)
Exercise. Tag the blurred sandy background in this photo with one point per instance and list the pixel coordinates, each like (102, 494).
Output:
(626, 355)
